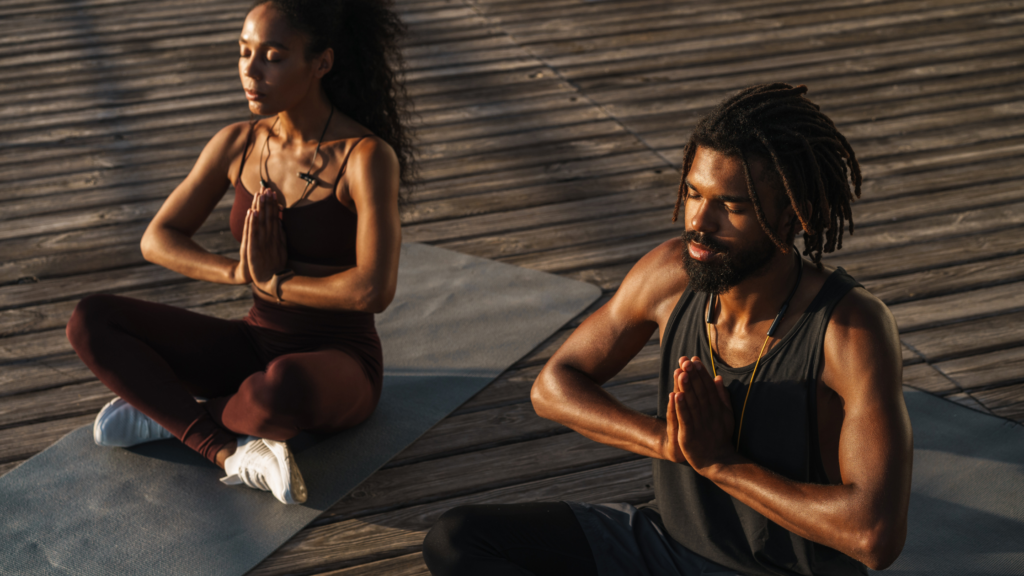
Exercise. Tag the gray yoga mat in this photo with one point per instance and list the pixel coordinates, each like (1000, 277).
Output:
(967, 498)
(456, 323)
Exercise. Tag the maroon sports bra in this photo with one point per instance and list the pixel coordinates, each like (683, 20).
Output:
(322, 232)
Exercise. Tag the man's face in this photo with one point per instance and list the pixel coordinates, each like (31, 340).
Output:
(725, 243)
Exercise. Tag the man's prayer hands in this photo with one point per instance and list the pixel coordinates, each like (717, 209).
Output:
(700, 418)
(263, 252)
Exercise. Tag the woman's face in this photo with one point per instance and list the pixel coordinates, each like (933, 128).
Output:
(272, 62)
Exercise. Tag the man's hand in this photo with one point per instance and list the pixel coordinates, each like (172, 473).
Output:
(699, 416)
(263, 241)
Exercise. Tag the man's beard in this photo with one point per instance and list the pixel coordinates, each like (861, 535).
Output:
(730, 269)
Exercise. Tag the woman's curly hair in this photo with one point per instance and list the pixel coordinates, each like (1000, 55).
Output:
(366, 80)
(801, 148)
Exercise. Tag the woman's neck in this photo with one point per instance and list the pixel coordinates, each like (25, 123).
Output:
(305, 121)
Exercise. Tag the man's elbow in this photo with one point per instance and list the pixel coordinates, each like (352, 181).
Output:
(881, 547)
(544, 395)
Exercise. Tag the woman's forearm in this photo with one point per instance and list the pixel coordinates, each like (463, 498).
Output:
(178, 252)
(352, 289)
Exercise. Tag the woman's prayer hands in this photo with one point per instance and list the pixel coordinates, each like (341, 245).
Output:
(264, 251)
(699, 416)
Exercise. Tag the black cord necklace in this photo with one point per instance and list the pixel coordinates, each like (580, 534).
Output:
(771, 332)
(307, 176)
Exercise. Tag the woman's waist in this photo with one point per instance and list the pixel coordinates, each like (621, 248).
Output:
(312, 321)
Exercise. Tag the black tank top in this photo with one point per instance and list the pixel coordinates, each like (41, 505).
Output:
(780, 432)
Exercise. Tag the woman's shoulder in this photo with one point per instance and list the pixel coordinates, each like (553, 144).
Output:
(233, 135)
(371, 170)
(370, 152)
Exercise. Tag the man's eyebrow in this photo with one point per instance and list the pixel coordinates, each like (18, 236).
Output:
(733, 199)
(722, 198)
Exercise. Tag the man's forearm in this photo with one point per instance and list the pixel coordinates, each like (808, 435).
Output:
(569, 397)
(839, 516)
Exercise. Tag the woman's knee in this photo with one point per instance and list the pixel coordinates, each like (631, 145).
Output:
(91, 314)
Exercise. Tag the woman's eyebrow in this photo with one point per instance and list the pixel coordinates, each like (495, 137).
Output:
(269, 43)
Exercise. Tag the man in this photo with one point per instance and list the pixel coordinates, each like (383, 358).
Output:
(782, 444)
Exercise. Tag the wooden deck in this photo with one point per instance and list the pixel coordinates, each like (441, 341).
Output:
(550, 137)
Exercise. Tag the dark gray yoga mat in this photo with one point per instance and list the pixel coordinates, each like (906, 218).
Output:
(967, 499)
(456, 323)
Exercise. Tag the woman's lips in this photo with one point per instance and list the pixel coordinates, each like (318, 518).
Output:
(253, 95)
(699, 253)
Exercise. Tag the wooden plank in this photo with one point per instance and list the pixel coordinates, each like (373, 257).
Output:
(25, 441)
(477, 471)
(968, 401)
(510, 423)
(596, 57)
(937, 254)
(356, 540)
(192, 295)
(953, 308)
(407, 565)
(948, 280)
(8, 466)
(925, 377)
(61, 403)
(967, 338)
(1007, 402)
(986, 370)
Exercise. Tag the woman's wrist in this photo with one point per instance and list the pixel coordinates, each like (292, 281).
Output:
(272, 286)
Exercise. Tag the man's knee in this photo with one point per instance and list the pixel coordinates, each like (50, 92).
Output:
(450, 540)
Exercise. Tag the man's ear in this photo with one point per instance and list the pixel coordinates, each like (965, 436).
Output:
(324, 63)
(789, 224)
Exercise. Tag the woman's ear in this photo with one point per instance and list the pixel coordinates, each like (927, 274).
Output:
(324, 63)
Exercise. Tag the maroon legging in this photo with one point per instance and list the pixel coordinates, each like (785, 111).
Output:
(273, 374)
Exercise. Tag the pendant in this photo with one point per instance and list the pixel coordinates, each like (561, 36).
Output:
(307, 177)
(264, 183)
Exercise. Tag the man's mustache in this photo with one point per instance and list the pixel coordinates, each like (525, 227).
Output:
(704, 240)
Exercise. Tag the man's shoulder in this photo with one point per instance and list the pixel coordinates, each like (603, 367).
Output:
(860, 309)
(656, 281)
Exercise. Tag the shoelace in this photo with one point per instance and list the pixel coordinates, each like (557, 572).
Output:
(249, 468)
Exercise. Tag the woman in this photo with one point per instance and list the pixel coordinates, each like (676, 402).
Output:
(319, 244)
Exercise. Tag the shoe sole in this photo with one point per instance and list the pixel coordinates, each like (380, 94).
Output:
(295, 492)
(97, 431)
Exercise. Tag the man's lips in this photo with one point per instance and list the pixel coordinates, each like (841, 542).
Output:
(699, 253)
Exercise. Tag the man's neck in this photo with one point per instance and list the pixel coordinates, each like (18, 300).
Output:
(758, 297)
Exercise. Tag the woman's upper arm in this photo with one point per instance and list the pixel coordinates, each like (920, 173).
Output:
(191, 202)
(373, 183)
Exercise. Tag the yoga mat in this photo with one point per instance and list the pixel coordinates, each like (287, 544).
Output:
(967, 493)
(456, 323)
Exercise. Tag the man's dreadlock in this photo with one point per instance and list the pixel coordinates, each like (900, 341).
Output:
(776, 123)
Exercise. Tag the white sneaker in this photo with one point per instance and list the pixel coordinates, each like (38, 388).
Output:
(120, 424)
(266, 465)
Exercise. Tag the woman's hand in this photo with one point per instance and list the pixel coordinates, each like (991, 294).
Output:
(240, 274)
(263, 243)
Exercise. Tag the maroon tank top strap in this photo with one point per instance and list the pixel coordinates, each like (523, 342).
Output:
(344, 162)
(245, 151)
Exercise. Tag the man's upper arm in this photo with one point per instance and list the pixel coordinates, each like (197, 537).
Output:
(864, 366)
(616, 332)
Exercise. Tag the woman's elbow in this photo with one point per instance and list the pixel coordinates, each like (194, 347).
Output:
(149, 245)
(376, 300)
